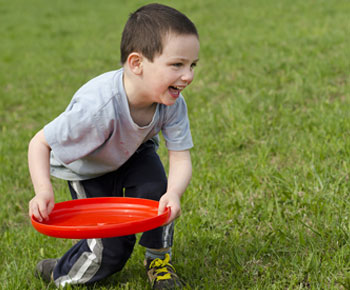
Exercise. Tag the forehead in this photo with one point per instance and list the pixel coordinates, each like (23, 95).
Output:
(181, 46)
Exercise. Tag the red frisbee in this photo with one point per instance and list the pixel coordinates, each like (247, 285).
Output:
(101, 217)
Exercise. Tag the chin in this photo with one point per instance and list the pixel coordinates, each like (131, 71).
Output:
(170, 103)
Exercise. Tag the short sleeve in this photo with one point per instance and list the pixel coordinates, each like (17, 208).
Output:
(78, 131)
(176, 129)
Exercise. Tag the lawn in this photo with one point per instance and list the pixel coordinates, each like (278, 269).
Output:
(268, 204)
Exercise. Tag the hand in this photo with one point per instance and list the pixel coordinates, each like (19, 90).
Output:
(171, 200)
(41, 206)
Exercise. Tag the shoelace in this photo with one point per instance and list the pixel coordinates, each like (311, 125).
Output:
(161, 267)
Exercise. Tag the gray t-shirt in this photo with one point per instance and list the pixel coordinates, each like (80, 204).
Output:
(96, 134)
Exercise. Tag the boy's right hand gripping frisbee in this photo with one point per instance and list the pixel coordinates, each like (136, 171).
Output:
(102, 217)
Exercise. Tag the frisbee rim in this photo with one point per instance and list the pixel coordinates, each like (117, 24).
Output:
(103, 230)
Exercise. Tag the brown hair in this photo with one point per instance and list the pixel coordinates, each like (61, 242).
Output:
(146, 28)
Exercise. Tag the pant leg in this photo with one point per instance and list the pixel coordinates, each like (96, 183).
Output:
(142, 176)
(92, 260)
(145, 177)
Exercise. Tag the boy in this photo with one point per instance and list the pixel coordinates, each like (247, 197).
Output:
(104, 144)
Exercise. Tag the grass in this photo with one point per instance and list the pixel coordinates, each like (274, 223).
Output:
(268, 205)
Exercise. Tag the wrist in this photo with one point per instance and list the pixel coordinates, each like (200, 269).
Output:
(43, 191)
(174, 194)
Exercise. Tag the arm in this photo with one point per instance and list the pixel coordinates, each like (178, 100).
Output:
(39, 167)
(180, 173)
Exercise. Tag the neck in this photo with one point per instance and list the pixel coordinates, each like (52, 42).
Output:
(135, 97)
(141, 111)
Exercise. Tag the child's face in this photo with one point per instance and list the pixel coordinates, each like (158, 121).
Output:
(171, 71)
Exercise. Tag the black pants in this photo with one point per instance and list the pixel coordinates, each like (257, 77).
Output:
(91, 260)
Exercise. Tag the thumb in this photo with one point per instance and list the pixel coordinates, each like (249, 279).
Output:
(161, 207)
(50, 206)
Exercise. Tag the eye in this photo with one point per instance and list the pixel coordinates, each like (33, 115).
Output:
(193, 65)
(178, 64)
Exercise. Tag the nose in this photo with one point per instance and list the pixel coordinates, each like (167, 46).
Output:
(188, 75)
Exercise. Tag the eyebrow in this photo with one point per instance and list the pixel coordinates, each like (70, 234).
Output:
(186, 59)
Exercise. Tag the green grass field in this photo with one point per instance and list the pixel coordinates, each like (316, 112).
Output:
(268, 206)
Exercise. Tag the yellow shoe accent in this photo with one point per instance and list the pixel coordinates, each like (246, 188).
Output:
(162, 274)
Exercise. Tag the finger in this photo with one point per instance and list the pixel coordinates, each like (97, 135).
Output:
(36, 213)
(31, 206)
(30, 212)
(33, 210)
(161, 207)
(178, 213)
(43, 210)
(175, 213)
(50, 207)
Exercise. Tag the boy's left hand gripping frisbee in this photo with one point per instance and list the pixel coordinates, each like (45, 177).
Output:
(102, 217)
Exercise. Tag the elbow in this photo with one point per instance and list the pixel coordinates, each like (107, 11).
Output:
(38, 141)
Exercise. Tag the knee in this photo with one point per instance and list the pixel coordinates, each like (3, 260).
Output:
(117, 251)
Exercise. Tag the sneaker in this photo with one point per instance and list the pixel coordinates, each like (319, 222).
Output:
(162, 274)
(44, 269)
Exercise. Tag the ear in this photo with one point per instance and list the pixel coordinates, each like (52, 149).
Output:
(134, 62)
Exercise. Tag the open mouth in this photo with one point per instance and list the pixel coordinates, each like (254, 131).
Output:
(175, 88)
(174, 91)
